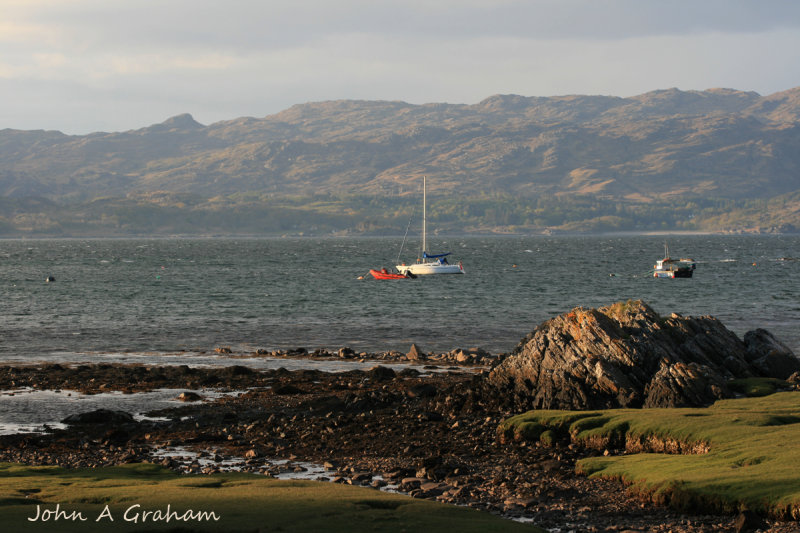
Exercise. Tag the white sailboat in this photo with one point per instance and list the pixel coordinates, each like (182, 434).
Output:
(429, 263)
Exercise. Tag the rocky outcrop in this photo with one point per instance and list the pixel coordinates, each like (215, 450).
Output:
(772, 358)
(626, 355)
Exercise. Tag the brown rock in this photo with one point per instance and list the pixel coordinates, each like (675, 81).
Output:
(748, 521)
(189, 396)
(626, 355)
(684, 385)
(346, 353)
(381, 373)
(772, 358)
(415, 354)
(252, 454)
(411, 483)
(99, 416)
(464, 357)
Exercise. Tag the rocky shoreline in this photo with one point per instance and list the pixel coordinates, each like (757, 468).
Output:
(426, 424)
(419, 433)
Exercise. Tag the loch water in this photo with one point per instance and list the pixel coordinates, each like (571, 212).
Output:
(124, 298)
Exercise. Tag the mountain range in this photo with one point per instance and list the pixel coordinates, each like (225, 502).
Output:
(713, 160)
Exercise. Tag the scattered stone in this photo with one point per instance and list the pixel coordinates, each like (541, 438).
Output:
(189, 396)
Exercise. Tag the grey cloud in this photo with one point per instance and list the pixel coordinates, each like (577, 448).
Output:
(134, 63)
(239, 24)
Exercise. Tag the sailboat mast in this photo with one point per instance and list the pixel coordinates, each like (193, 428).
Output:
(424, 218)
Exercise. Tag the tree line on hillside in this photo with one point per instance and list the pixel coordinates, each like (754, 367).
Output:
(329, 214)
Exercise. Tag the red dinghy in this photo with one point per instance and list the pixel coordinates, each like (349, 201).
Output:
(385, 274)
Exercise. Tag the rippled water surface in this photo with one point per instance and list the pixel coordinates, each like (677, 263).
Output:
(142, 296)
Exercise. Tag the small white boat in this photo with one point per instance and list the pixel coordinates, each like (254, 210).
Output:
(429, 263)
(673, 268)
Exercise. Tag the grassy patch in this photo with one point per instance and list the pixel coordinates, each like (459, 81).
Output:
(751, 460)
(243, 502)
(620, 310)
(754, 387)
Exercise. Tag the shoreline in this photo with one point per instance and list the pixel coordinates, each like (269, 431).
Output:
(366, 427)
(339, 236)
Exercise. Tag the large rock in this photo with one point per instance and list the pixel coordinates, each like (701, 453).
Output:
(626, 355)
(99, 416)
(772, 358)
(684, 385)
(415, 354)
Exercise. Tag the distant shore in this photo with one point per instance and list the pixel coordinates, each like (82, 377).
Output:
(368, 235)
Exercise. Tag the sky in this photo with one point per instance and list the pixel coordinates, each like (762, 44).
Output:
(81, 66)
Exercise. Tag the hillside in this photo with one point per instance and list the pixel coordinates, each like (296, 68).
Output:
(718, 159)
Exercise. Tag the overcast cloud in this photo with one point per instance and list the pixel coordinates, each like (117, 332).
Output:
(111, 65)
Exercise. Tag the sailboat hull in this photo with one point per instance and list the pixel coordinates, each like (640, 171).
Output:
(436, 263)
(425, 269)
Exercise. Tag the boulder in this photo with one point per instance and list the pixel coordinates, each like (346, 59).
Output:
(99, 416)
(381, 373)
(325, 404)
(189, 396)
(415, 354)
(463, 357)
(748, 521)
(422, 390)
(288, 389)
(777, 365)
(346, 353)
(684, 385)
(772, 358)
(116, 436)
(237, 370)
(626, 355)
(252, 453)
(411, 483)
